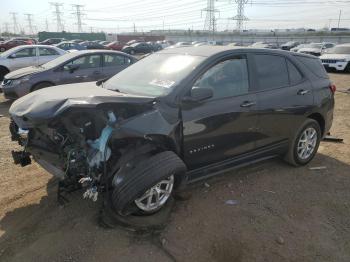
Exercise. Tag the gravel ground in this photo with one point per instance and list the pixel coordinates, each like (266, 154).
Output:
(277, 212)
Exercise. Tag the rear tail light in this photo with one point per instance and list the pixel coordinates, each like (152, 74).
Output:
(333, 88)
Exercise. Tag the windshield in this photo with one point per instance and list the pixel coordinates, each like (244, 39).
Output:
(59, 60)
(154, 75)
(9, 52)
(339, 50)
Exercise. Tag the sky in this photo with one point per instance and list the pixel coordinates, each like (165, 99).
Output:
(144, 15)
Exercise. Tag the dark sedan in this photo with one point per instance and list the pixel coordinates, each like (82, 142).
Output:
(10, 44)
(75, 67)
(70, 46)
(138, 48)
(92, 45)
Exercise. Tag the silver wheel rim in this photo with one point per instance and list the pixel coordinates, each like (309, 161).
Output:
(155, 197)
(307, 143)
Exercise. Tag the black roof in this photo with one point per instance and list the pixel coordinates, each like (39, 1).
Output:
(207, 51)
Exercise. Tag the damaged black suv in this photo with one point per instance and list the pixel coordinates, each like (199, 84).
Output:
(176, 116)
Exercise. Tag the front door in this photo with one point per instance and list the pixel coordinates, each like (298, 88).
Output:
(85, 68)
(223, 126)
(23, 58)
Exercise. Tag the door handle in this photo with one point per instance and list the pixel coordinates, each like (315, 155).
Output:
(302, 92)
(248, 104)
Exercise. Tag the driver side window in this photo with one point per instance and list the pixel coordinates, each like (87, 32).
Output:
(227, 78)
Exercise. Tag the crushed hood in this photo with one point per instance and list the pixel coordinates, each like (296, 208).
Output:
(24, 71)
(47, 103)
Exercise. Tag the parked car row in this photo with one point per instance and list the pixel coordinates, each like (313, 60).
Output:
(74, 67)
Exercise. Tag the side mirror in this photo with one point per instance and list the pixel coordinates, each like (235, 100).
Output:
(199, 94)
(13, 56)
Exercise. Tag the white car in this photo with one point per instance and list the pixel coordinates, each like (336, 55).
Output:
(315, 49)
(337, 58)
(27, 55)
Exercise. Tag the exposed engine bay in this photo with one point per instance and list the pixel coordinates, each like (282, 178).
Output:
(75, 146)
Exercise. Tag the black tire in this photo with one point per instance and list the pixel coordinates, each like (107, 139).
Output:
(145, 174)
(41, 85)
(3, 71)
(292, 155)
(2, 49)
(132, 52)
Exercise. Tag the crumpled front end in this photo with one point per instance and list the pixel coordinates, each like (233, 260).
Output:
(81, 142)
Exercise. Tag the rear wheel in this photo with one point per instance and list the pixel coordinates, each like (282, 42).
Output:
(132, 52)
(304, 145)
(2, 49)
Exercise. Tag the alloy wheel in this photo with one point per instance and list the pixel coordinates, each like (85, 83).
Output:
(307, 143)
(155, 197)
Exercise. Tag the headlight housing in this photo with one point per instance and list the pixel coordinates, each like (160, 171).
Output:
(20, 80)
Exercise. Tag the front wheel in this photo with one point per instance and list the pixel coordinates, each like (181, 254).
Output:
(303, 147)
(147, 186)
(2, 49)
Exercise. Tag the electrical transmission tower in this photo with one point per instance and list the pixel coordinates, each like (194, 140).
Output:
(58, 14)
(14, 21)
(7, 27)
(240, 17)
(210, 19)
(78, 15)
(30, 24)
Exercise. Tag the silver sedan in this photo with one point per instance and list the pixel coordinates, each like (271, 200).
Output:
(27, 55)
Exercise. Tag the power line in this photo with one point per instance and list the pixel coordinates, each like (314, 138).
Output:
(14, 21)
(58, 14)
(30, 24)
(78, 15)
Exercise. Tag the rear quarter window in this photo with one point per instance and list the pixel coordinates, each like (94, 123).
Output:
(314, 65)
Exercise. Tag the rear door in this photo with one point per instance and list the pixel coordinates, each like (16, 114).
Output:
(114, 63)
(24, 57)
(284, 96)
(223, 126)
(46, 54)
(86, 68)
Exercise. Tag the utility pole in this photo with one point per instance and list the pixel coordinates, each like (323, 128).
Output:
(78, 15)
(210, 20)
(58, 14)
(240, 17)
(30, 25)
(7, 27)
(14, 21)
(339, 18)
(47, 25)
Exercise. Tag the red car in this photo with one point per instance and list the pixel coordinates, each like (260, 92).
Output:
(115, 46)
(11, 43)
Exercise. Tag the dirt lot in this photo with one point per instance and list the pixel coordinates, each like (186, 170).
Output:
(280, 213)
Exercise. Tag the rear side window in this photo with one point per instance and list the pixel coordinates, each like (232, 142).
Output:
(314, 65)
(271, 71)
(295, 76)
(45, 51)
